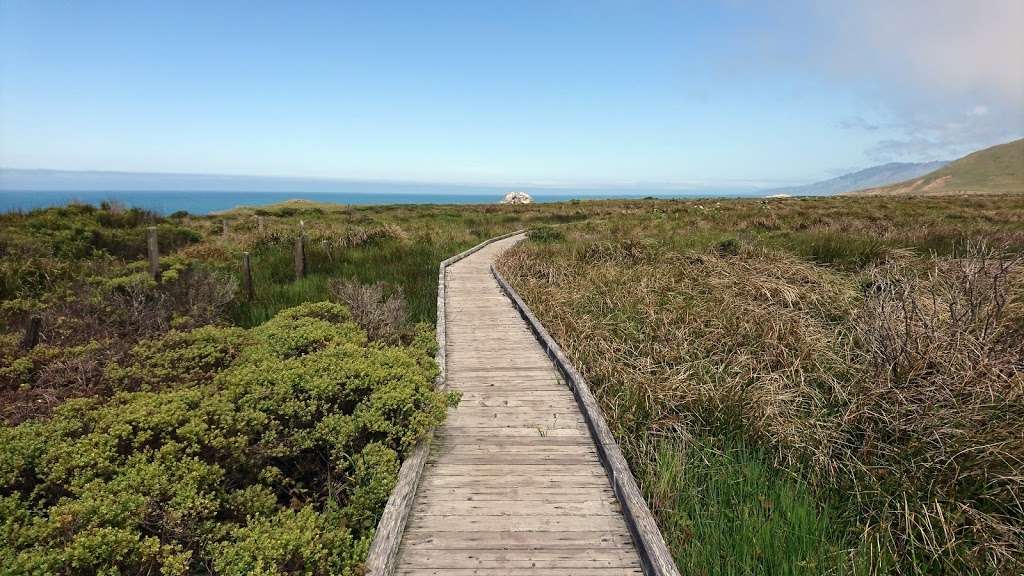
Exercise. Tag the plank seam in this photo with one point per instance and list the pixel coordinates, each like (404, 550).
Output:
(655, 557)
(380, 560)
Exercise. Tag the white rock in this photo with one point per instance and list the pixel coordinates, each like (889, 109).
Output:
(517, 198)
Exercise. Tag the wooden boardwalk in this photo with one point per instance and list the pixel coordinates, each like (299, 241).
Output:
(513, 483)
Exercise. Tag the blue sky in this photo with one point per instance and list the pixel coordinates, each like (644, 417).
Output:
(596, 93)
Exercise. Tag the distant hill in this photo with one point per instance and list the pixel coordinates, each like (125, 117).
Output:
(995, 170)
(867, 178)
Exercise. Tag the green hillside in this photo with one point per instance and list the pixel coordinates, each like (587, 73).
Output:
(995, 170)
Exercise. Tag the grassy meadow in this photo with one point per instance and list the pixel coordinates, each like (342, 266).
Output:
(802, 386)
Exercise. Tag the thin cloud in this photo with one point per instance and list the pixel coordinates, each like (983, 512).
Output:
(858, 123)
(937, 58)
(946, 73)
(949, 46)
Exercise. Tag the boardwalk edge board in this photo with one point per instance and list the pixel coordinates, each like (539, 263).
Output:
(380, 559)
(654, 553)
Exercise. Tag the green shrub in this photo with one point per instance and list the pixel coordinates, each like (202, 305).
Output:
(179, 358)
(264, 451)
(729, 247)
(290, 541)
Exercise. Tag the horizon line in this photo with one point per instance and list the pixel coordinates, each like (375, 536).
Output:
(676, 185)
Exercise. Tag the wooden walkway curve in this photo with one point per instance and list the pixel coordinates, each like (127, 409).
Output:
(524, 477)
(513, 483)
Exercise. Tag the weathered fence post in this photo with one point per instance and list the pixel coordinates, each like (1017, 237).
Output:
(247, 286)
(32, 333)
(300, 256)
(259, 224)
(224, 227)
(154, 253)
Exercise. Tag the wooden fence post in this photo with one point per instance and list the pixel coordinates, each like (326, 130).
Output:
(247, 286)
(300, 257)
(32, 333)
(224, 227)
(259, 224)
(154, 253)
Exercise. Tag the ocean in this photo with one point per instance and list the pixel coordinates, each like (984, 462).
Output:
(199, 202)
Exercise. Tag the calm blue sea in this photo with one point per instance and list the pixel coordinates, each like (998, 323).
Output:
(205, 202)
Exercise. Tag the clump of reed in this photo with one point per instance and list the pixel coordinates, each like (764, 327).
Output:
(892, 389)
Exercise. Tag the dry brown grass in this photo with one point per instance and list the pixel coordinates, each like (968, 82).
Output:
(896, 389)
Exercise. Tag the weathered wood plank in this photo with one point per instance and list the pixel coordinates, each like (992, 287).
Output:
(520, 459)
(619, 557)
(506, 371)
(496, 364)
(451, 431)
(539, 540)
(556, 404)
(470, 449)
(518, 571)
(597, 507)
(511, 480)
(542, 421)
(513, 396)
(511, 384)
(484, 523)
(517, 493)
(443, 439)
(443, 468)
(485, 397)
(523, 389)
(510, 413)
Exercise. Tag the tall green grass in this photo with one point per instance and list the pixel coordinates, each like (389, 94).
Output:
(727, 510)
(411, 266)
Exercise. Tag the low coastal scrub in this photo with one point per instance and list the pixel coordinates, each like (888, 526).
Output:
(93, 321)
(259, 451)
(797, 406)
(94, 305)
(82, 270)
